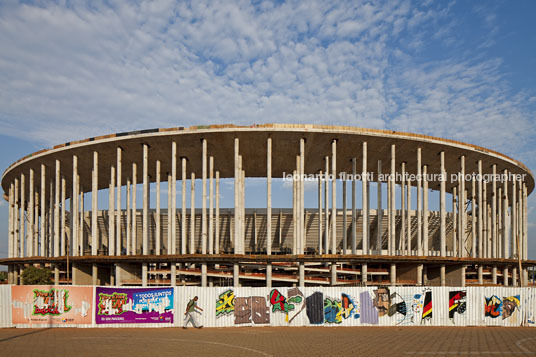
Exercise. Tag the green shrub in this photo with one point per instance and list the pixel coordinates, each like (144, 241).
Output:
(36, 276)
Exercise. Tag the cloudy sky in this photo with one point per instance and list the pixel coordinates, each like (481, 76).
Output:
(462, 70)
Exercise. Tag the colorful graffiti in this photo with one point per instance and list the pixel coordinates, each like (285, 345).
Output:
(389, 304)
(251, 309)
(457, 303)
(332, 311)
(112, 303)
(225, 304)
(427, 306)
(349, 307)
(292, 306)
(510, 305)
(493, 307)
(51, 302)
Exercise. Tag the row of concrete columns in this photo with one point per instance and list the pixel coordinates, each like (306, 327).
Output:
(498, 228)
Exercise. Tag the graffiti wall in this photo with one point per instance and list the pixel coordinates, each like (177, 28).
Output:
(133, 305)
(44, 305)
(38, 306)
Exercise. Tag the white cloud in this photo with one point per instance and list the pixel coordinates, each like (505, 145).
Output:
(95, 68)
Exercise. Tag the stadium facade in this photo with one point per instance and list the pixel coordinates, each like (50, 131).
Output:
(479, 237)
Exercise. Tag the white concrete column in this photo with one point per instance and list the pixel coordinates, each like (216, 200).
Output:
(145, 221)
(344, 218)
(364, 273)
(236, 273)
(31, 217)
(80, 246)
(302, 197)
(364, 201)
(22, 216)
(211, 206)
(485, 227)
(525, 222)
(499, 223)
(94, 203)
(243, 207)
(217, 223)
(326, 207)
(392, 210)
(403, 210)
(172, 215)
(419, 205)
(111, 212)
(442, 210)
(333, 269)
(442, 274)
(520, 225)
(379, 211)
(473, 218)
(35, 239)
(480, 212)
(192, 214)
(143, 274)
(334, 197)
(158, 235)
(392, 275)
(462, 208)
(74, 211)
(506, 242)
(301, 275)
(63, 250)
(134, 237)
(295, 211)
(494, 214)
(354, 208)
(425, 210)
(237, 175)
(320, 213)
(184, 178)
(56, 208)
(129, 218)
(269, 205)
(119, 183)
(11, 231)
(409, 252)
(16, 222)
(455, 222)
(204, 199)
(73, 239)
(513, 224)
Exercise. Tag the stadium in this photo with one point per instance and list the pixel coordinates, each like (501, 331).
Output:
(391, 208)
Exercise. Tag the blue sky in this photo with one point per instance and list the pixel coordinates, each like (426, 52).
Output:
(461, 70)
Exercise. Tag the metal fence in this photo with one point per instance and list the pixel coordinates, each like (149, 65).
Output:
(89, 306)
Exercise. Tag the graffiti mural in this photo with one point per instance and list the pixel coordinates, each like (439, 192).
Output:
(225, 304)
(315, 308)
(492, 307)
(427, 307)
(511, 305)
(251, 309)
(369, 313)
(457, 303)
(332, 311)
(349, 307)
(389, 304)
(291, 307)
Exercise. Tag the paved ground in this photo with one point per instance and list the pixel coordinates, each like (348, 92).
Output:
(270, 341)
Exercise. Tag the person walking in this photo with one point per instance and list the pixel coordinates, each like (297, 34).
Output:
(189, 314)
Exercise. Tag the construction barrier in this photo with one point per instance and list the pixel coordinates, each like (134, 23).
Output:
(90, 306)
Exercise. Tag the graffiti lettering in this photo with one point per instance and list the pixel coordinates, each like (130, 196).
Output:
(456, 303)
(50, 302)
(332, 311)
(115, 301)
(225, 304)
(492, 307)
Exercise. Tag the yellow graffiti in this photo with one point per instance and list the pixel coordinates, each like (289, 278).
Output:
(225, 303)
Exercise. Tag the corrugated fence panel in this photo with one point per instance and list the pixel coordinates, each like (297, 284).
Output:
(5, 306)
(79, 306)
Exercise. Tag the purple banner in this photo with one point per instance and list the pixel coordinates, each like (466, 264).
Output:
(134, 305)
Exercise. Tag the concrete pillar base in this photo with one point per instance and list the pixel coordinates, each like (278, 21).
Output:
(95, 275)
(514, 277)
(480, 274)
(268, 275)
(419, 274)
(236, 275)
(301, 272)
(494, 274)
(173, 276)
(364, 273)
(442, 275)
(144, 274)
(204, 275)
(392, 275)
(505, 276)
(10, 275)
(462, 276)
(333, 269)
(57, 275)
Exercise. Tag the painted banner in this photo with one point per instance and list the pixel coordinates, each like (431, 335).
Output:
(133, 305)
(51, 305)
